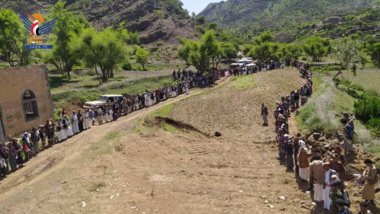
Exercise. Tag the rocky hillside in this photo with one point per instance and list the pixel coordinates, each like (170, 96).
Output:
(276, 14)
(153, 19)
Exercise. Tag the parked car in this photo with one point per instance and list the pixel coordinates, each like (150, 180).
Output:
(104, 100)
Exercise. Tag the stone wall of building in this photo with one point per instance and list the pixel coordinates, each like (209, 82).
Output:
(13, 83)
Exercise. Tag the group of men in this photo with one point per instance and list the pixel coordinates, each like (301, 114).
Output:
(16, 152)
(326, 175)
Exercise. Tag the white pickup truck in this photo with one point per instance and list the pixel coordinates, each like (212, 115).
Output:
(104, 100)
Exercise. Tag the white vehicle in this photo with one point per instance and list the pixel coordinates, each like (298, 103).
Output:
(104, 100)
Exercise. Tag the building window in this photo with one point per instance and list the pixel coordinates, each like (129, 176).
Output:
(29, 103)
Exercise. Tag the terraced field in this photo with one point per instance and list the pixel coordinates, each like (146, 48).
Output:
(368, 78)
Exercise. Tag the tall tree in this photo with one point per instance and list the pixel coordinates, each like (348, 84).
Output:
(13, 38)
(185, 51)
(142, 56)
(66, 32)
(103, 51)
(317, 48)
(203, 51)
(374, 52)
(265, 51)
(346, 51)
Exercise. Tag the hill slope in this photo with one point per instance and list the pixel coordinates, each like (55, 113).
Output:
(153, 19)
(275, 14)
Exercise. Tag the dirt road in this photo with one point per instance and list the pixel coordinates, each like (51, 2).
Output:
(135, 166)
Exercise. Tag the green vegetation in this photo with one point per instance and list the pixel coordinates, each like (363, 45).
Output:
(286, 16)
(242, 82)
(142, 57)
(163, 112)
(112, 136)
(374, 52)
(68, 29)
(203, 53)
(138, 86)
(367, 110)
(13, 39)
(317, 48)
(346, 51)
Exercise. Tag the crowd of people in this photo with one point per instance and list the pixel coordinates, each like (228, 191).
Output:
(16, 152)
(326, 174)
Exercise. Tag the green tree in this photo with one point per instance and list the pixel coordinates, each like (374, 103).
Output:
(264, 37)
(103, 50)
(290, 52)
(229, 50)
(203, 51)
(317, 48)
(265, 51)
(126, 36)
(13, 38)
(346, 51)
(200, 20)
(374, 52)
(185, 51)
(67, 30)
(142, 56)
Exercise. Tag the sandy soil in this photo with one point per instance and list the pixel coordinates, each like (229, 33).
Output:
(134, 166)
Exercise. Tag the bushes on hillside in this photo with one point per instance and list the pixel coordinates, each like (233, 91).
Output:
(367, 110)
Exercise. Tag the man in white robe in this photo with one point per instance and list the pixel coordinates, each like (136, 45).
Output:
(327, 177)
(317, 174)
(302, 161)
(87, 120)
(74, 122)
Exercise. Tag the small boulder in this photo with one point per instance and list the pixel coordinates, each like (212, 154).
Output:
(218, 134)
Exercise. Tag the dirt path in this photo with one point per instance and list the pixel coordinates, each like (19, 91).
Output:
(56, 157)
(127, 168)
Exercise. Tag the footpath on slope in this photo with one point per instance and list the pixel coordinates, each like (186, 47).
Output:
(54, 158)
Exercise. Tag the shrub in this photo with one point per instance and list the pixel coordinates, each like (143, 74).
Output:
(91, 73)
(127, 66)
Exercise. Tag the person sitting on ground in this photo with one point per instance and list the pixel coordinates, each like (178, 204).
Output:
(364, 208)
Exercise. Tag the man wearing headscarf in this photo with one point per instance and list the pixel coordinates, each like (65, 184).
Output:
(338, 166)
(317, 175)
(303, 162)
(370, 179)
(338, 150)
